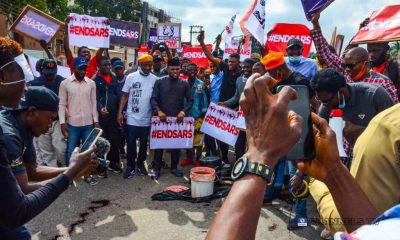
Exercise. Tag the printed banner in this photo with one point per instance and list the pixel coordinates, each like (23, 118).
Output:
(196, 54)
(170, 33)
(170, 134)
(142, 50)
(220, 123)
(232, 48)
(281, 33)
(88, 31)
(152, 38)
(312, 7)
(384, 25)
(36, 24)
(227, 34)
(125, 33)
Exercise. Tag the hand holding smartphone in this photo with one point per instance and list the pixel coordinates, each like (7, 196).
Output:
(91, 139)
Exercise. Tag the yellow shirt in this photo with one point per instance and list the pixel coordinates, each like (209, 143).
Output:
(375, 167)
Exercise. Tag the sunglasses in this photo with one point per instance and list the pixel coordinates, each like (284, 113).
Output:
(325, 101)
(350, 65)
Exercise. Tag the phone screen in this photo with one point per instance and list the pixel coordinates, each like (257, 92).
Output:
(304, 149)
(91, 139)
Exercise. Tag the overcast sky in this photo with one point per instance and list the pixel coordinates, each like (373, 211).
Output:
(215, 14)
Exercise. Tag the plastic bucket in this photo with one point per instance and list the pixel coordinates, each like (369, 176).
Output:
(202, 181)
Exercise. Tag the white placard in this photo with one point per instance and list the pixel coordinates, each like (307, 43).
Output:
(232, 47)
(170, 33)
(240, 122)
(220, 123)
(61, 70)
(170, 134)
(88, 31)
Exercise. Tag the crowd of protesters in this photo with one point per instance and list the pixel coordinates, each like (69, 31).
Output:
(43, 131)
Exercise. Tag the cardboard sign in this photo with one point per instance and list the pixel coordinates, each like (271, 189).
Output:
(281, 33)
(36, 24)
(312, 7)
(383, 26)
(124, 33)
(170, 33)
(220, 123)
(196, 55)
(61, 70)
(232, 48)
(88, 31)
(170, 134)
(152, 38)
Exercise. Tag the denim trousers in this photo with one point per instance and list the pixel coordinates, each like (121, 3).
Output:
(76, 135)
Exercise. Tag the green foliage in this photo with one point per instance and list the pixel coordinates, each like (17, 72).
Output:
(395, 50)
(116, 9)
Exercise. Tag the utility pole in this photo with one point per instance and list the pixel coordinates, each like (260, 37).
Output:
(193, 29)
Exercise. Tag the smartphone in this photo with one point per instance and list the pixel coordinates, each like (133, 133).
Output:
(304, 149)
(91, 139)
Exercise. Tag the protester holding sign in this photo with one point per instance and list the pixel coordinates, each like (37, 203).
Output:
(354, 65)
(137, 91)
(296, 62)
(168, 99)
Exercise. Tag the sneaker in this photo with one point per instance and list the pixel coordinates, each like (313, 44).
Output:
(115, 168)
(129, 172)
(142, 170)
(297, 222)
(186, 161)
(326, 234)
(155, 175)
(91, 180)
(177, 172)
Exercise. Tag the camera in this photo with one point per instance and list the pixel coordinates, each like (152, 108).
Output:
(162, 47)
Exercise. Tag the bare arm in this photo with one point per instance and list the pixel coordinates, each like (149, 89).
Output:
(41, 173)
(43, 44)
(67, 51)
(122, 102)
(207, 52)
(218, 43)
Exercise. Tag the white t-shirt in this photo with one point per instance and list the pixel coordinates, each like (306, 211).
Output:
(139, 88)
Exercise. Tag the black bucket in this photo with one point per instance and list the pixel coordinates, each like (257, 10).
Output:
(213, 162)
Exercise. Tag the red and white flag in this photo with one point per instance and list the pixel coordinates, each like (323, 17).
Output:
(253, 21)
(227, 35)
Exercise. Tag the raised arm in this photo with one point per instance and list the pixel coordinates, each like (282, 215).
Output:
(207, 52)
(67, 51)
(43, 44)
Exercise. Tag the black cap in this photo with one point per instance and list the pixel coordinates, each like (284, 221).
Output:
(41, 98)
(174, 62)
(49, 66)
(294, 42)
(157, 57)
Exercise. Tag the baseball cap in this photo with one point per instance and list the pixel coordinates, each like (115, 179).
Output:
(118, 64)
(41, 98)
(157, 58)
(80, 62)
(294, 42)
(49, 66)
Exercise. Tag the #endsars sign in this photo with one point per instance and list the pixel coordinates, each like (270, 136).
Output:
(170, 33)
(125, 33)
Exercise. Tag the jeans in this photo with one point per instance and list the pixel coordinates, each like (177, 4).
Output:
(110, 132)
(133, 133)
(75, 136)
(278, 180)
(240, 146)
(158, 155)
(20, 233)
(301, 204)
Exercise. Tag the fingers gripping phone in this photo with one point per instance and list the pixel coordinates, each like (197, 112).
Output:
(91, 139)
(304, 149)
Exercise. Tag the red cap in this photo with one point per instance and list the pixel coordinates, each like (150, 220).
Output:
(336, 113)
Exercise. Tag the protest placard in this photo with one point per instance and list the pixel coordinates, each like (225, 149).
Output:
(61, 70)
(196, 54)
(383, 26)
(170, 134)
(281, 33)
(142, 50)
(220, 123)
(36, 24)
(152, 38)
(84, 30)
(312, 7)
(125, 33)
(232, 47)
(170, 33)
(241, 121)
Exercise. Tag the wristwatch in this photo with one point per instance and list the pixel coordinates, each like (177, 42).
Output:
(244, 166)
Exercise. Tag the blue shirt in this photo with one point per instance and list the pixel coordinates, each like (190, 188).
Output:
(215, 86)
(200, 101)
(53, 86)
(308, 67)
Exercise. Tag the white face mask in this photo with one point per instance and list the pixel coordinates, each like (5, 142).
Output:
(10, 83)
(21, 61)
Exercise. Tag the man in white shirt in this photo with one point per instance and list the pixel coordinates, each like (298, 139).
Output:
(137, 92)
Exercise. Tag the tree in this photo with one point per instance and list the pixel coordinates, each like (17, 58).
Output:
(116, 9)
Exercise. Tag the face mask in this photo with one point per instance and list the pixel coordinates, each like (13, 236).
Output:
(11, 83)
(21, 61)
(142, 73)
(343, 103)
(295, 60)
(360, 74)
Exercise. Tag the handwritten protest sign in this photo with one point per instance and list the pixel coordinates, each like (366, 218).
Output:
(281, 33)
(170, 134)
(36, 24)
(170, 33)
(220, 123)
(124, 33)
(232, 47)
(240, 122)
(384, 25)
(196, 55)
(89, 31)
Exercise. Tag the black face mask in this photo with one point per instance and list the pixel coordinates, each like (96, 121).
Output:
(379, 61)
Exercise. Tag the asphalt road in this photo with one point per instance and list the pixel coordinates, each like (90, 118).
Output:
(123, 209)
